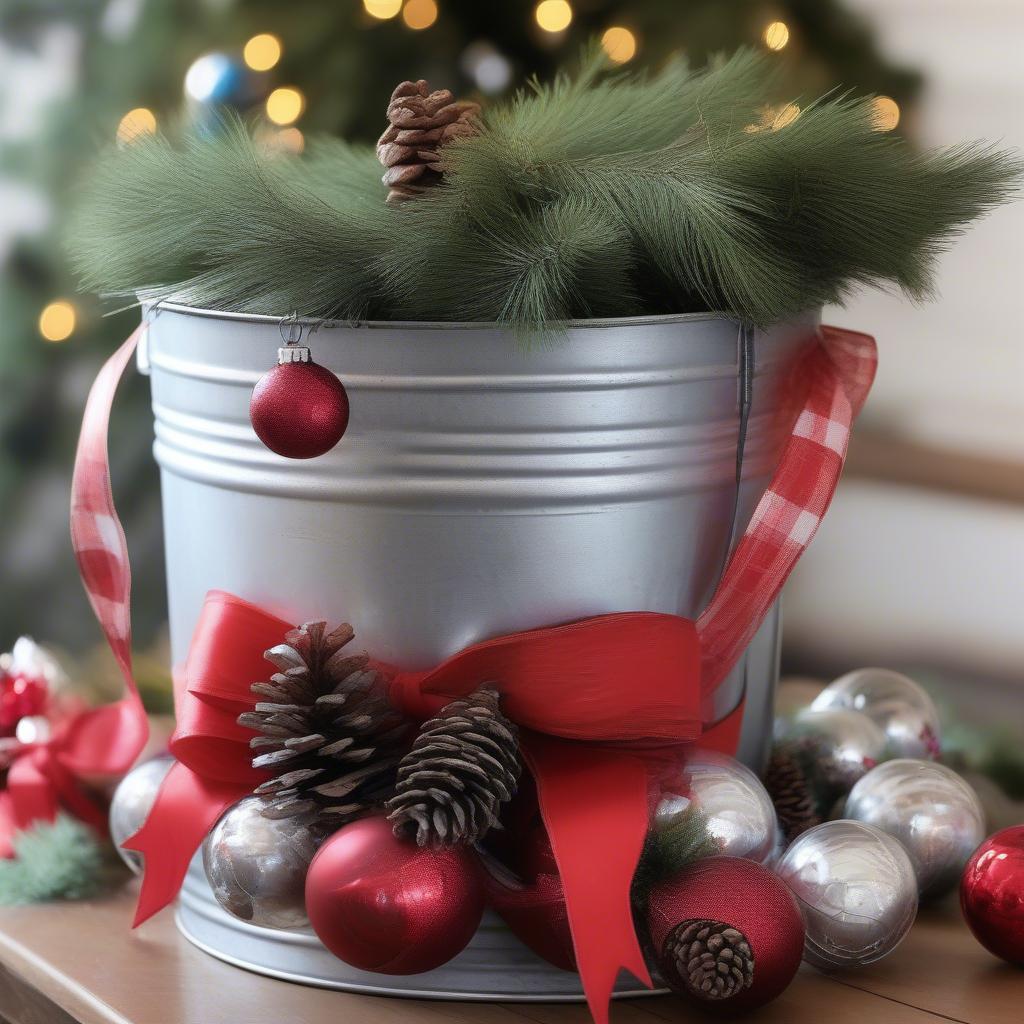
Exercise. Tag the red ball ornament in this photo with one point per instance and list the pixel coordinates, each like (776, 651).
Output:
(992, 894)
(299, 409)
(726, 932)
(21, 696)
(382, 904)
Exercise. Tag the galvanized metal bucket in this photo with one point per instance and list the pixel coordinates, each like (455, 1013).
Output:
(482, 488)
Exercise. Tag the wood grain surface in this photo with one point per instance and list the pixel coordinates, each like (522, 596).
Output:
(81, 963)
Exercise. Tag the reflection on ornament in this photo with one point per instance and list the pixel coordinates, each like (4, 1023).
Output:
(846, 744)
(992, 894)
(734, 808)
(132, 801)
(894, 702)
(257, 866)
(382, 904)
(857, 889)
(930, 810)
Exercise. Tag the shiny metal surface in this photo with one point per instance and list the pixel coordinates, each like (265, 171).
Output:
(481, 488)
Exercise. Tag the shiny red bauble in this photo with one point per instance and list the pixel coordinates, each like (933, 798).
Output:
(21, 696)
(744, 896)
(299, 410)
(992, 894)
(385, 905)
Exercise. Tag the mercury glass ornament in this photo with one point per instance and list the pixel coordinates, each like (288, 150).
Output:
(857, 889)
(931, 810)
(901, 708)
(257, 866)
(132, 801)
(846, 744)
(735, 808)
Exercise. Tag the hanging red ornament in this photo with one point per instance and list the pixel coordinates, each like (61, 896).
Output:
(992, 894)
(298, 409)
(726, 931)
(385, 905)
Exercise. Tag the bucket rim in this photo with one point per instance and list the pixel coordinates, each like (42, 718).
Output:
(442, 325)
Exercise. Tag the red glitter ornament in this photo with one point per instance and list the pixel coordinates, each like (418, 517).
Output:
(382, 904)
(726, 932)
(992, 894)
(299, 409)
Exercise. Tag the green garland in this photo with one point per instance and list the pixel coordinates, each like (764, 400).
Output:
(58, 861)
(597, 195)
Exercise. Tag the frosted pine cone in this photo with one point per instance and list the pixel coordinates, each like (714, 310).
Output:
(421, 123)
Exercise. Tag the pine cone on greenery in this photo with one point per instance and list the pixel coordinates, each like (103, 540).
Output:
(421, 123)
(462, 767)
(711, 959)
(788, 785)
(329, 734)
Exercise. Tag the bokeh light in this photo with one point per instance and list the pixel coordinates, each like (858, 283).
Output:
(619, 43)
(776, 35)
(553, 15)
(382, 9)
(419, 14)
(285, 105)
(290, 140)
(885, 113)
(57, 321)
(262, 52)
(787, 115)
(140, 121)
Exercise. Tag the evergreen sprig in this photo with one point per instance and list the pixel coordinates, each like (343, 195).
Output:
(596, 195)
(62, 860)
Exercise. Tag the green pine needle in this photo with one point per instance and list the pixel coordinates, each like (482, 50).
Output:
(596, 195)
(58, 861)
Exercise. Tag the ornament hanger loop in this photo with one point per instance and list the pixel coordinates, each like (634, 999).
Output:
(290, 328)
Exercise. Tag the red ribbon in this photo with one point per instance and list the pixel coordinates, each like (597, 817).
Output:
(597, 700)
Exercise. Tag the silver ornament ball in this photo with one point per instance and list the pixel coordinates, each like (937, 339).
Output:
(737, 812)
(895, 703)
(931, 810)
(846, 744)
(257, 866)
(131, 803)
(856, 887)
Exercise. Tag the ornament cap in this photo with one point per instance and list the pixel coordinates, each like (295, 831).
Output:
(293, 354)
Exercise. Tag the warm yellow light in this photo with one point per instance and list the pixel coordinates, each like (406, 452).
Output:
(553, 15)
(140, 121)
(776, 35)
(418, 14)
(284, 105)
(619, 43)
(57, 321)
(787, 115)
(382, 9)
(886, 113)
(262, 52)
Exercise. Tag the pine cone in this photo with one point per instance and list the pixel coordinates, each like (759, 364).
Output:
(788, 786)
(711, 959)
(329, 734)
(421, 123)
(462, 766)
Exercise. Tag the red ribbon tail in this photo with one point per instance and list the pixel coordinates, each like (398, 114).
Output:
(595, 806)
(185, 810)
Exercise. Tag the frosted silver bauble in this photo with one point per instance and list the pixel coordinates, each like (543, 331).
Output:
(857, 890)
(257, 866)
(931, 810)
(846, 744)
(901, 708)
(737, 812)
(131, 803)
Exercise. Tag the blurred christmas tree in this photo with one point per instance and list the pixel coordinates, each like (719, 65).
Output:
(75, 72)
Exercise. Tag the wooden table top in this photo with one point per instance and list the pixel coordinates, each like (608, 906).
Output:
(79, 962)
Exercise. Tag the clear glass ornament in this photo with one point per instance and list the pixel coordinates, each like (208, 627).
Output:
(132, 801)
(257, 866)
(735, 809)
(931, 810)
(846, 744)
(902, 709)
(857, 889)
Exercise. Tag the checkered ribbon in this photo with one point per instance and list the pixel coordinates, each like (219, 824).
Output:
(837, 375)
